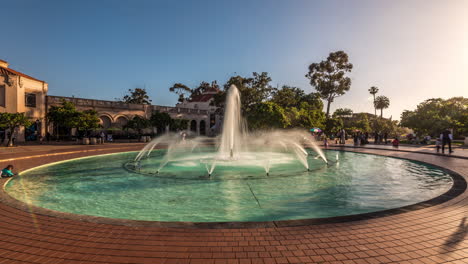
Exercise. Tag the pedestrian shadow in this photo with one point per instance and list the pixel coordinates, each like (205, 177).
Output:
(458, 236)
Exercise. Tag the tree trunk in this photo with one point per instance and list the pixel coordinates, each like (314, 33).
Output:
(328, 107)
(381, 112)
(375, 109)
(10, 138)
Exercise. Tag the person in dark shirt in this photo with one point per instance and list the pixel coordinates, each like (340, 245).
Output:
(446, 138)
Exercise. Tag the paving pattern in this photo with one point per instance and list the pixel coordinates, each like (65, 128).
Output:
(436, 234)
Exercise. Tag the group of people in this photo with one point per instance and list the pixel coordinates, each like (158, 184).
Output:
(444, 139)
(362, 138)
(414, 139)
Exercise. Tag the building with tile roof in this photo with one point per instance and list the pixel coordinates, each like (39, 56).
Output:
(204, 101)
(21, 93)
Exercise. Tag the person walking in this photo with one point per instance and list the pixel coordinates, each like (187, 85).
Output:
(446, 138)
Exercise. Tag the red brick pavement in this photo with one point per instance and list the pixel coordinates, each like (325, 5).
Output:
(436, 234)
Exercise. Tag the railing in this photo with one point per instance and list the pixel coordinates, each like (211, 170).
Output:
(57, 100)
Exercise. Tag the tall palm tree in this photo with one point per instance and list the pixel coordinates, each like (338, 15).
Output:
(373, 90)
(381, 102)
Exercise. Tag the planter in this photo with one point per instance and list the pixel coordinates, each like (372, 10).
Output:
(85, 141)
(93, 141)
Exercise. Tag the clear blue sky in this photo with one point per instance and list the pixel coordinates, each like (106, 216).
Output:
(411, 50)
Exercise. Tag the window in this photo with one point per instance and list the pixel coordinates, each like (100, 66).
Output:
(2, 96)
(30, 99)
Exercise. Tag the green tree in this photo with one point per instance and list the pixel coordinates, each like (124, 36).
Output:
(381, 102)
(305, 116)
(179, 124)
(12, 121)
(137, 96)
(202, 87)
(391, 127)
(180, 89)
(138, 123)
(88, 120)
(333, 125)
(253, 90)
(374, 90)
(343, 112)
(267, 115)
(361, 122)
(287, 96)
(435, 115)
(160, 120)
(65, 116)
(329, 77)
(313, 100)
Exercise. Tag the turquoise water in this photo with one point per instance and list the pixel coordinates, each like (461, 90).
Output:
(101, 186)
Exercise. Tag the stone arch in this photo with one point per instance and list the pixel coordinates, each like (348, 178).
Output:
(193, 125)
(202, 127)
(121, 121)
(106, 121)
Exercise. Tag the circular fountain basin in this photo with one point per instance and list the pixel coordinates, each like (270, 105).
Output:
(238, 189)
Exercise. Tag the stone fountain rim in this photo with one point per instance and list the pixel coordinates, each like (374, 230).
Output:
(459, 186)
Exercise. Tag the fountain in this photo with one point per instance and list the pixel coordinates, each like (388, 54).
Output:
(236, 147)
(240, 176)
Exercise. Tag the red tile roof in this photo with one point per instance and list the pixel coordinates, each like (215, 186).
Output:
(201, 98)
(11, 71)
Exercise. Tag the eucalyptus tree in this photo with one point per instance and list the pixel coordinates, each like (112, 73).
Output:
(181, 90)
(329, 78)
(136, 96)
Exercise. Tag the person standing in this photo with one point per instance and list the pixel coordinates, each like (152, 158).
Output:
(103, 137)
(343, 137)
(325, 141)
(438, 143)
(446, 138)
